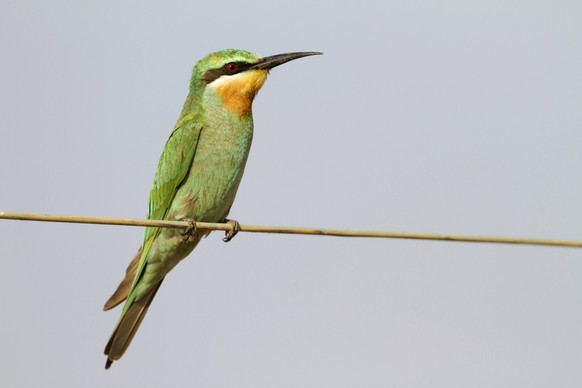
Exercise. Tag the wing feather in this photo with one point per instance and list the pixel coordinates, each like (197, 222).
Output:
(173, 169)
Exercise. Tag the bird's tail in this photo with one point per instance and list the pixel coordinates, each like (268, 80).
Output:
(128, 325)
(122, 291)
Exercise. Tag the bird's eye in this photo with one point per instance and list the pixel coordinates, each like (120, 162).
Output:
(231, 67)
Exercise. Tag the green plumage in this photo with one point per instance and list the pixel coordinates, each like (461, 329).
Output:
(198, 175)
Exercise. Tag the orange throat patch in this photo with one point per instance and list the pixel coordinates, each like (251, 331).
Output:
(238, 91)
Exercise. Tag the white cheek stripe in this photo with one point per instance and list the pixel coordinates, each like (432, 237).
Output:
(225, 79)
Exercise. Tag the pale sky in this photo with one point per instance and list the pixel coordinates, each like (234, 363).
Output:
(442, 117)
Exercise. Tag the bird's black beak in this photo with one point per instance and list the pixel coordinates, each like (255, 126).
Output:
(268, 63)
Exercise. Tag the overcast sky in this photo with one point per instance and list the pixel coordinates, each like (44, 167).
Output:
(444, 117)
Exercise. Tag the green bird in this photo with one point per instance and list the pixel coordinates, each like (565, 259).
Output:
(198, 176)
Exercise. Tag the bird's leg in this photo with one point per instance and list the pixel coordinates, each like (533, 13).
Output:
(234, 229)
(191, 229)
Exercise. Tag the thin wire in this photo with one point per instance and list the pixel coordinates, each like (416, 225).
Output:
(291, 230)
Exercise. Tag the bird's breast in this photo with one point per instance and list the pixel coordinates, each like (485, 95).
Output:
(217, 168)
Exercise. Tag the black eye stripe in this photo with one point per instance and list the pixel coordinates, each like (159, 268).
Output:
(213, 74)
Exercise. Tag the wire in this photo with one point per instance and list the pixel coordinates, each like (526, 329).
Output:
(290, 230)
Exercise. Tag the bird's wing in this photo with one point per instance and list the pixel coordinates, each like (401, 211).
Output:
(173, 167)
(172, 170)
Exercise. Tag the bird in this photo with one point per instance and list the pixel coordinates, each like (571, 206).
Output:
(197, 178)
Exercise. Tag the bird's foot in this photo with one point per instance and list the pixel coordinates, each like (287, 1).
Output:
(191, 229)
(234, 229)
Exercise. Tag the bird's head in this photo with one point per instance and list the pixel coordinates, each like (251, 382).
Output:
(236, 75)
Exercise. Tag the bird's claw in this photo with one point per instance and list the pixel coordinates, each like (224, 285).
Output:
(234, 229)
(191, 229)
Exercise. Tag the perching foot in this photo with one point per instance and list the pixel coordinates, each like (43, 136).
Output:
(234, 229)
(191, 229)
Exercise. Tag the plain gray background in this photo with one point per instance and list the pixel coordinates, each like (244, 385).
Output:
(445, 117)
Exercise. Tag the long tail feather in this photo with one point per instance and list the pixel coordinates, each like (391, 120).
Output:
(127, 327)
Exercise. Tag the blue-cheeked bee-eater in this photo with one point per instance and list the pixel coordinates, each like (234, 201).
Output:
(197, 178)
